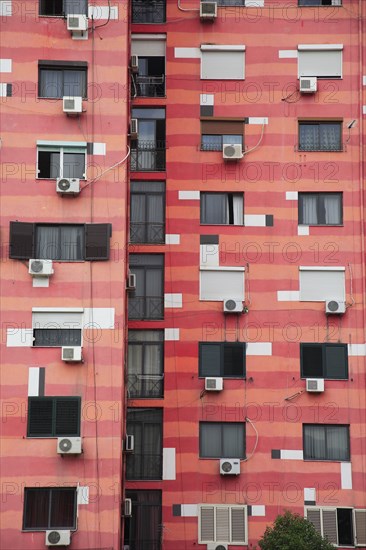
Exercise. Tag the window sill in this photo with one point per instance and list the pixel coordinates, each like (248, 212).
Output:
(327, 379)
(58, 98)
(44, 529)
(326, 460)
(319, 150)
(224, 224)
(54, 179)
(321, 224)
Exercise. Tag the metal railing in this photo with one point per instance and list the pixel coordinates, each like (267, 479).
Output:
(145, 385)
(148, 156)
(148, 11)
(150, 86)
(144, 466)
(147, 232)
(146, 307)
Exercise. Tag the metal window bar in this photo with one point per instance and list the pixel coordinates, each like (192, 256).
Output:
(148, 156)
(148, 11)
(147, 232)
(145, 385)
(146, 307)
(150, 86)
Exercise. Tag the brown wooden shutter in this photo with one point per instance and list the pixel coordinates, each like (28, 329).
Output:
(221, 127)
(207, 524)
(97, 237)
(21, 240)
(360, 527)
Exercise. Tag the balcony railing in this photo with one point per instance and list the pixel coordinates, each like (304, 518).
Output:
(145, 385)
(148, 156)
(144, 466)
(149, 232)
(149, 86)
(148, 11)
(146, 307)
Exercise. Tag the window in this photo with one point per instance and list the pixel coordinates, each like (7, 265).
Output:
(326, 442)
(148, 11)
(320, 136)
(318, 284)
(49, 508)
(143, 530)
(145, 363)
(226, 359)
(342, 526)
(53, 416)
(320, 60)
(222, 440)
(147, 212)
(216, 133)
(62, 7)
(328, 361)
(222, 62)
(146, 425)
(222, 208)
(61, 161)
(55, 328)
(320, 208)
(61, 78)
(320, 2)
(64, 242)
(148, 153)
(221, 283)
(220, 523)
(231, 3)
(147, 301)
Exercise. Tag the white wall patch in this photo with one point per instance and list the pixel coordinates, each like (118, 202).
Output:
(255, 220)
(98, 317)
(171, 334)
(357, 350)
(173, 300)
(287, 54)
(206, 99)
(172, 239)
(259, 348)
(346, 475)
(292, 195)
(5, 8)
(99, 149)
(292, 455)
(364, 109)
(3, 89)
(102, 12)
(258, 120)
(189, 510)
(258, 510)
(19, 337)
(5, 65)
(310, 494)
(209, 255)
(83, 495)
(303, 230)
(169, 463)
(189, 195)
(39, 282)
(364, 80)
(187, 53)
(288, 295)
(33, 382)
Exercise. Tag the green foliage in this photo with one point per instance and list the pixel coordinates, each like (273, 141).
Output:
(293, 532)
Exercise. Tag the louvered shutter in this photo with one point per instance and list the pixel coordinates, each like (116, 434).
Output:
(21, 240)
(97, 236)
(238, 525)
(67, 417)
(207, 524)
(222, 524)
(330, 525)
(314, 515)
(359, 520)
(40, 414)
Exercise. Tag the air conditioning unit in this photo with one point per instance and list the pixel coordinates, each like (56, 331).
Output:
(229, 466)
(68, 186)
(127, 508)
(233, 306)
(232, 151)
(208, 11)
(40, 268)
(134, 128)
(72, 105)
(131, 281)
(308, 84)
(315, 385)
(71, 354)
(135, 63)
(129, 443)
(335, 307)
(58, 538)
(69, 445)
(77, 23)
(217, 546)
(214, 384)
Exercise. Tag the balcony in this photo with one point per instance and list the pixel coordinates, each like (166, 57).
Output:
(145, 386)
(149, 86)
(147, 232)
(144, 466)
(148, 11)
(148, 156)
(146, 307)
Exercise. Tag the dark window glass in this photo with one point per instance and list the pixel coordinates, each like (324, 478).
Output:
(143, 530)
(320, 208)
(63, 7)
(150, 80)
(147, 212)
(53, 416)
(345, 526)
(320, 2)
(231, 2)
(222, 208)
(21, 240)
(56, 337)
(320, 136)
(49, 508)
(62, 81)
(55, 163)
(326, 442)
(328, 361)
(222, 440)
(148, 11)
(145, 363)
(226, 359)
(147, 427)
(215, 142)
(147, 301)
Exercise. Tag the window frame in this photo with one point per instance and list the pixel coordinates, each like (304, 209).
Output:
(320, 5)
(203, 195)
(320, 123)
(319, 197)
(61, 66)
(339, 294)
(219, 147)
(143, 298)
(327, 457)
(145, 458)
(63, 14)
(62, 150)
(221, 426)
(134, 536)
(143, 344)
(324, 366)
(320, 49)
(54, 400)
(148, 194)
(334, 509)
(215, 507)
(223, 345)
(51, 491)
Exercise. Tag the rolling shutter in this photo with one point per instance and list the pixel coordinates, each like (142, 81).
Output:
(359, 521)
(97, 236)
(207, 524)
(222, 127)
(67, 417)
(21, 240)
(40, 416)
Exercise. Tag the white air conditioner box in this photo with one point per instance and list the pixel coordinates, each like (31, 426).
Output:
(129, 443)
(40, 268)
(214, 384)
(127, 508)
(229, 466)
(68, 186)
(208, 11)
(135, 63)
(72, 105)
(69, 445)
(217, 546)
(77, 22)
(232, 151)
(131, 281)
(233, 306)
(315, 385)
(335, 307)
(58, 538)
(134, 128)
(308, 84)
(71, 354)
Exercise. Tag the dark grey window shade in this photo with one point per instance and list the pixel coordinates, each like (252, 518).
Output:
(63, 7)
(222, 440)
(226, 359)
(328, 361)
(56, 337)
(326, 442)
(53, 416)
(320, 208)
(97, 237)
(21, 240)
(49, 508)
(147, 427)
